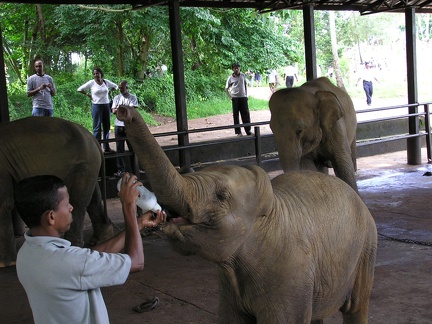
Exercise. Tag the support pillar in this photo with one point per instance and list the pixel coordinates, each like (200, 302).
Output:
(309, 36)
(4, 108)
(413, 144)
(179, 82)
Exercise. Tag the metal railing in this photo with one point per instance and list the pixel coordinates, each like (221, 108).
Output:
(257, 137)
(426, 132)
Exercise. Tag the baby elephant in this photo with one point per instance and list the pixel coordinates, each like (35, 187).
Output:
(293, 249)
(315, 128)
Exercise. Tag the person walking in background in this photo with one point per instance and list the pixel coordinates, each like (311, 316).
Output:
(258, 79)
(63, 282)
(41, 88)
(236, 89)
(289, 75)
(367, 75)
(98, 91)
(123, 99)
(272, 79)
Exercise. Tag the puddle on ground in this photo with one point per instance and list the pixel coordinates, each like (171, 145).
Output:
(398, 179)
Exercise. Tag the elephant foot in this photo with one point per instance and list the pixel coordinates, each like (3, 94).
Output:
(19, 229)
(75, 241)
(101, 233)
(4, 264)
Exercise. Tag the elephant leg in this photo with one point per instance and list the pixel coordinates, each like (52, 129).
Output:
(356, 308)
(317, 322)
(321, 167)
(75, 233)
(7, 237)
(80, 184)
(18, 224)
(102, 225)
(307, 163)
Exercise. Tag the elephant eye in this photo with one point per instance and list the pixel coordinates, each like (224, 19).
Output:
(299, 132)
(222, 195)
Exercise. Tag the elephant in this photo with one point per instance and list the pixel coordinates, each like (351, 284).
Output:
(41, 145)
(293, 249)
(314, 126)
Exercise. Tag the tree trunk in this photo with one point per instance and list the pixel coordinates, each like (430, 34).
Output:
(336, 66)
(143, 56)
(41, 22)
(121, 51)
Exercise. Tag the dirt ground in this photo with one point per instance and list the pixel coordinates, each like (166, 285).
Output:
(399, 197)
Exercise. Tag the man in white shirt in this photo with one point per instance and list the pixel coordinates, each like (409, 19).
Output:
(123, 99)
(62, 282)
(367, 75)
(289, 75)
(272, 80)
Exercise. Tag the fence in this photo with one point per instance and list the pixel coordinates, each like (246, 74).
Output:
(258, 137)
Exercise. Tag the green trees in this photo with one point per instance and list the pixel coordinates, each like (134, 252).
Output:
(135, 44)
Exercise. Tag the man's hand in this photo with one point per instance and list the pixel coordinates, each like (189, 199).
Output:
(129, 193)
(148, 219)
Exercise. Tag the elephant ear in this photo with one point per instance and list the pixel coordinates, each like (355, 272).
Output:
(329, 108)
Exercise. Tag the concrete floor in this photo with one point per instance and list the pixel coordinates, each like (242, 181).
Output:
(399, 197)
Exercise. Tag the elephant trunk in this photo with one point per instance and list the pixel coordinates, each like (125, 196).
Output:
(289, 155)
(168, 185)
(288, 162)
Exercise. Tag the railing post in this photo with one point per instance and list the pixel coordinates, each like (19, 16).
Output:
(104, 187)
(428, 133)
(258, 157)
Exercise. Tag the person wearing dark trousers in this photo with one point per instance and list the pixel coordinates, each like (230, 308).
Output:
(367, 76)
(123, 99)
(289, 75)
(98, 91)
(236, 89)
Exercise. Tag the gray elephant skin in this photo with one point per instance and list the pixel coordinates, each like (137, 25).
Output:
(314, 126)
(294, 249)
(41, 145)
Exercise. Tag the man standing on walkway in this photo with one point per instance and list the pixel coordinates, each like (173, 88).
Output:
(367, 75)
(123, 99)
(289, 75)
(236, 90)
(41, 87)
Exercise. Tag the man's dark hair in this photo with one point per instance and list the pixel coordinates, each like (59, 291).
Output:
(36, 195)
(97, 68)
(235, 65)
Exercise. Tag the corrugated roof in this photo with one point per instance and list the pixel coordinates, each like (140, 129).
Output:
(363, 6)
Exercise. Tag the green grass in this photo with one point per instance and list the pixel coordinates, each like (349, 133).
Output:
(73, 106)
(220, 106)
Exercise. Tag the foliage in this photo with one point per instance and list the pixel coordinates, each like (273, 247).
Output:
(134, 44)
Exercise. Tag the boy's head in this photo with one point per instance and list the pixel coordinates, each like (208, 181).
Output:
(36, 195)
